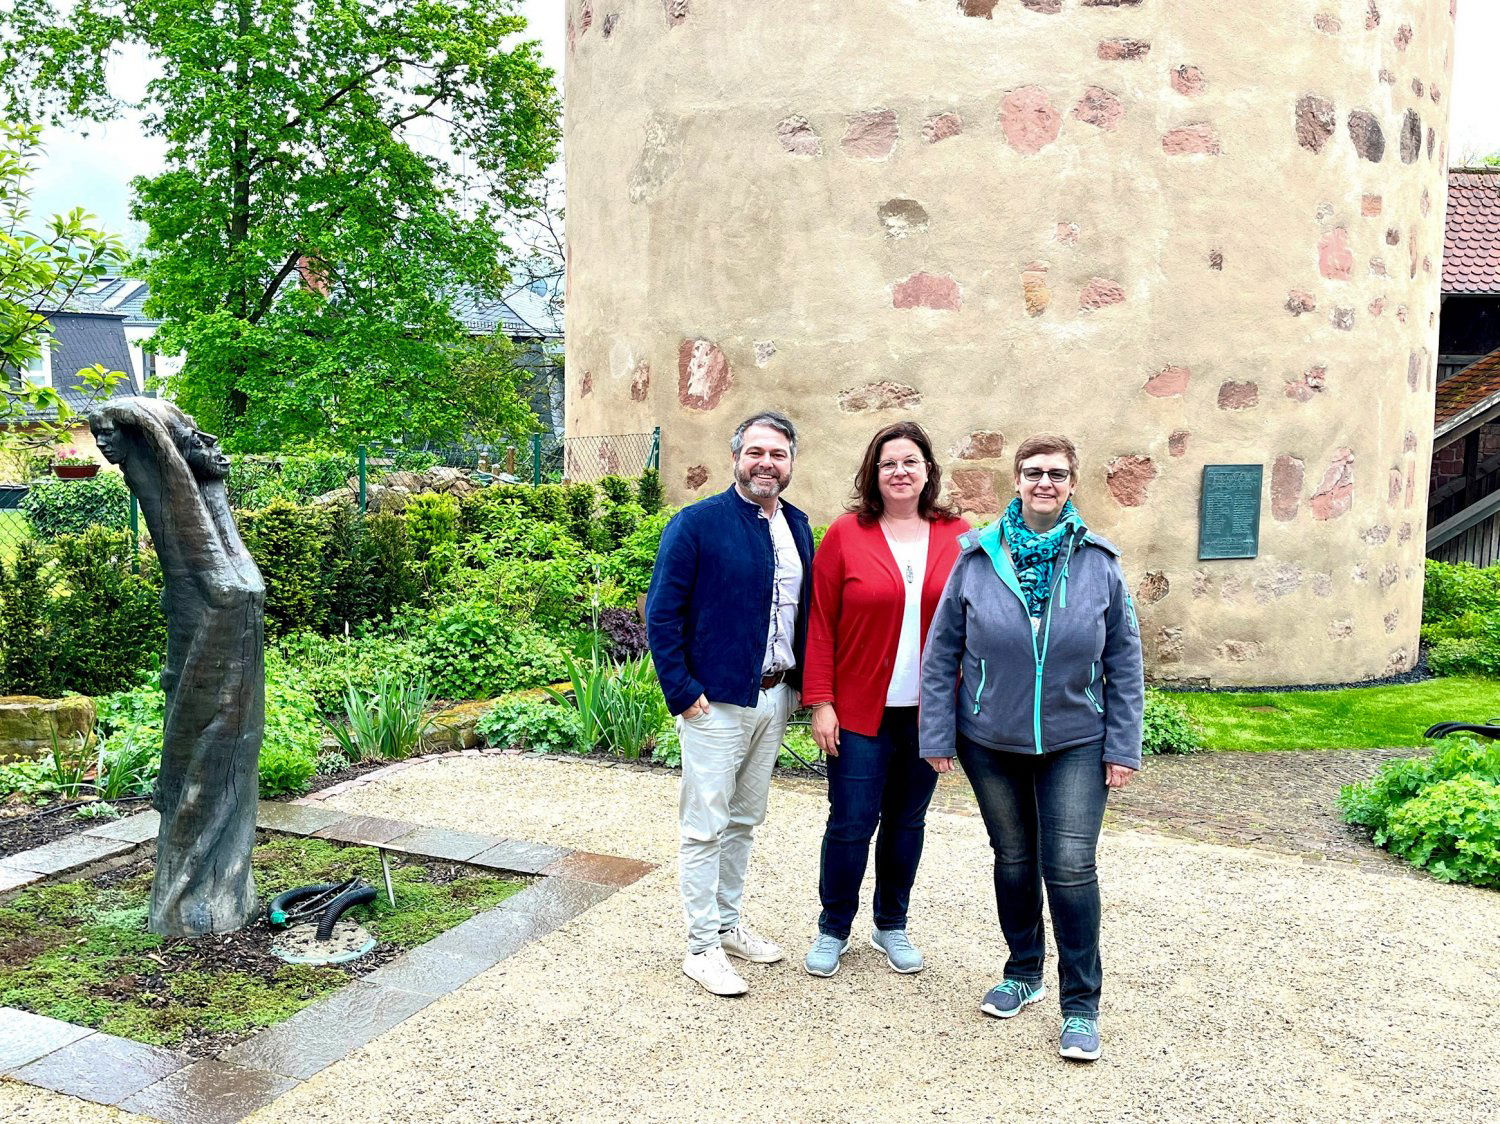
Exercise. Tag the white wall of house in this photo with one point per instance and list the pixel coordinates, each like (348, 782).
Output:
(164, 366)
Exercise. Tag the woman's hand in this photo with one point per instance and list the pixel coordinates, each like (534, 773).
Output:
(1117, 776)
(825, 729)
(941, 764)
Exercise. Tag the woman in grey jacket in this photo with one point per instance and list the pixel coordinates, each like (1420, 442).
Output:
(1038, 635)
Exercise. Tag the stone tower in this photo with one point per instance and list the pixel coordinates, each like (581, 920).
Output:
(1183, 232)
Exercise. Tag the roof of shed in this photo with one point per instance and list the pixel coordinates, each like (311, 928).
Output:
(1471, 236)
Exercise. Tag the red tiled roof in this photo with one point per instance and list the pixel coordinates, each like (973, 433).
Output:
(1472, 387)
(1471, 238)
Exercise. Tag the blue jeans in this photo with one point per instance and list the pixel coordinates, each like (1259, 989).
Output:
(874, 781)
(1043, 815)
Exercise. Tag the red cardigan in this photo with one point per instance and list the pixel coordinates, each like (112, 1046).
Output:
(858, 598)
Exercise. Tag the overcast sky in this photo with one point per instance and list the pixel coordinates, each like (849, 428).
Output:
(94, 170)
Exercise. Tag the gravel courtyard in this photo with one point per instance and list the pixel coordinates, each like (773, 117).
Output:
(1241, 985)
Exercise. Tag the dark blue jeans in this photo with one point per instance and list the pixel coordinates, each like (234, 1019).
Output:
(1043, 815)
(874, 781)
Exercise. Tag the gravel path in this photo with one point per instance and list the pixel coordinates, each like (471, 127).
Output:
(1240, 986)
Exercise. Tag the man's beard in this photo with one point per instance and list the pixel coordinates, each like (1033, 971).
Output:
(762, 487)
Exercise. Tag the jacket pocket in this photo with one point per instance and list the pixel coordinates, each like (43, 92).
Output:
(979, 690)
(1089, 690)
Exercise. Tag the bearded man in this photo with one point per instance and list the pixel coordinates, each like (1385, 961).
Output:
(726, 617)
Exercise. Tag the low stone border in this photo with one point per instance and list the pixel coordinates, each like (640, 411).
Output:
(181, 1090)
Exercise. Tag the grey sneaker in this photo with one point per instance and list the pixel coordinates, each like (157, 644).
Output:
(823, 958)
(1005, 1000)
(900, 953)
(1080, 1038)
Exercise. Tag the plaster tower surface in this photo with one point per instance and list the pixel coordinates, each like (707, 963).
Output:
(1183, 232)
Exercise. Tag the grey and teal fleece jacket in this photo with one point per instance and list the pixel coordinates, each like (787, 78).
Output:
(1075, 679)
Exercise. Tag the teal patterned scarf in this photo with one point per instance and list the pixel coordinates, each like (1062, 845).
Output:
(1035, 554)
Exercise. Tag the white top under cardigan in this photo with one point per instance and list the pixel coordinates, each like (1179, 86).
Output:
(906, 676)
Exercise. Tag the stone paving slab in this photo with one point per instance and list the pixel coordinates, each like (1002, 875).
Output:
(208, 1092)
(25, 1037)
(441, 843)
(62, 856)
(434, 972)
(556, 901)
(102, 1068)
(605, 870)
(364, 829)
(521, 857)
(493, 935)
(313, 1039)
(13, 879)
(141, 828)
(296, 819)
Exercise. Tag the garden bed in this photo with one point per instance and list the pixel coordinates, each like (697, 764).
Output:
(79, 951)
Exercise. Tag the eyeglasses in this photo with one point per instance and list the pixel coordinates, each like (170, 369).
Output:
(910, 466)
(1056, 475)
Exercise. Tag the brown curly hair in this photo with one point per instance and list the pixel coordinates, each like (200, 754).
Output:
(868, 505)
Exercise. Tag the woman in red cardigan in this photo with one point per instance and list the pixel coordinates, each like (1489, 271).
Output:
(877, 578)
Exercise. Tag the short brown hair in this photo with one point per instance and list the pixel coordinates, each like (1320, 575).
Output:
(868, 504)
(1040, 443)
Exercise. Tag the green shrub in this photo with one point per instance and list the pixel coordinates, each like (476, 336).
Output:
(328, 666)
(258, 481)
(539, 727)
(432, 523)
(617, 522)
(579, 501)
(387, 565)
(475, 650)
(817, 536)
(1440, 812)
(620, 706)
(284, 771)
(289, 544)
(630, 566)
(648, 492)
(1166, 726)
(1453, 589)
(69, 507)
(1466, 645)
(107, 624)
(616, 489)
(27, 655)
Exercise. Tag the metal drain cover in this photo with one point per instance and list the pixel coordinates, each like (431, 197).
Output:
(300, 944)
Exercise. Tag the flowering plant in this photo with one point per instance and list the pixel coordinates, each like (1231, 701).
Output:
(71, 456)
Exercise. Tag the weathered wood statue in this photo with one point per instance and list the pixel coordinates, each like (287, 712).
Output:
(215, 672)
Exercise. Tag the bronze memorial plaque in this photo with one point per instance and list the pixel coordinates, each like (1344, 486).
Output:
(1229, 512)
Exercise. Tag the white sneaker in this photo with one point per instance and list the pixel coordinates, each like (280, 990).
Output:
(742, 942)
(711, 969)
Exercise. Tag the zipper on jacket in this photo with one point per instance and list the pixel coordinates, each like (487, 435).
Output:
(1089, 690)
(983, 671)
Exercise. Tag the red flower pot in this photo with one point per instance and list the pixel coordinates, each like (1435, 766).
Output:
(75, 471)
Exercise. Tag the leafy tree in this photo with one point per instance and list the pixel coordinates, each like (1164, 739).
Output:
(39, 270)
(337, 171)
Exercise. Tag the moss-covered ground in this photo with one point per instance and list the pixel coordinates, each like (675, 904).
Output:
(79, 951)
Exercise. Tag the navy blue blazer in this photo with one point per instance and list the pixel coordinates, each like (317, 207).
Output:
(708, 610)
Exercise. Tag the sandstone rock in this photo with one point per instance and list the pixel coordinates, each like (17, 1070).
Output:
(1342, 319)
(1239, 651)
(1376, 535)
(1188, 81)
(1299, 301)
(883, 395)
(1169, 645)
(981, 8)
(1045, 7)
(1335, 493)
(1399, 662)
(1367, 135)
(1066, 234)
(1393, 493)
(1372, 17)
(1335, 259)
(901, 217)
(1238, 395)
(1328, 23)
(1177, 442)
(1034, 289)
(871, 135)
(703, 374)
(640, 381)
(1411, 137)
(1029, 120)
(941, 126)
(1390, 574)
(981, 445)
(927, 290)
(1100, 292)
(1371, 205)
(1129, 478)
(1202, 584)
(1402, 38)
(1171, 382)
(1392, 620)
(973, 491)
(586, 384)
(677, 11)
(1119, 50)
(1283, 579)
(1154, 588)
(765, 351)
(1315, 121)
(1341, 629)
(1286, 487)
(1216, 260)
(659, 161)
(1199, 139)
(27, 724)
(696, 477)
(1100, 108)
(1322, 585)
(611, 21)
(797, 136)
(454, 727)
(1313, 381)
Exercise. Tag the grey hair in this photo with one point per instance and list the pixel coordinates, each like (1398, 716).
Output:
(774, 419)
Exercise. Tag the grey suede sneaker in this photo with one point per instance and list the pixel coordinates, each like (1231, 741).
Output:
(900, 953)
(1079, 1039)
(823, 958)
(1006, 999)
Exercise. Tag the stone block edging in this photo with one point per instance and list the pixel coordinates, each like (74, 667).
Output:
(174, 1087)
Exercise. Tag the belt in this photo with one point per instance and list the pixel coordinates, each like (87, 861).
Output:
(770, 680)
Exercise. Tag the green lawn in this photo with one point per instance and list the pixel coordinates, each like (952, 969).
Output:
(1352, 718)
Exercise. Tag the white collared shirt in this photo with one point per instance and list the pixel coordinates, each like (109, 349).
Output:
(786, 592)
